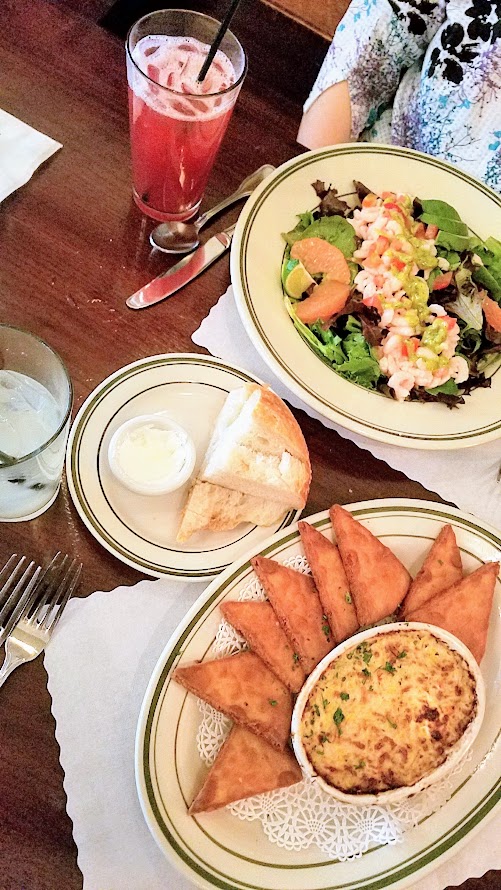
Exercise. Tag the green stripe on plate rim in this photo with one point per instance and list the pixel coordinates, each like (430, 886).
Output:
(428, 854)
(102, 392)
(304, 161)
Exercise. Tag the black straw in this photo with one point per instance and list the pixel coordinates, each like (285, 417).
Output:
(218, 38)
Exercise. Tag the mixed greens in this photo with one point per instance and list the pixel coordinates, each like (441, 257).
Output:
(395, 294)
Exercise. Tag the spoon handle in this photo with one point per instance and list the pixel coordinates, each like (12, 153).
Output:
(243, 191)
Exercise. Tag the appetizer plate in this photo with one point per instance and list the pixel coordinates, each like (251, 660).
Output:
(219, 850)
(141, 530)
(256, 258)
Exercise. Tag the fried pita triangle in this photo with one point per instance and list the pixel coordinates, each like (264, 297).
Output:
(243, 688)
(331, 582)
(295, 601)
(246, 765)
(441, 569)
(378, 580)
(464, 609)
(260, 627)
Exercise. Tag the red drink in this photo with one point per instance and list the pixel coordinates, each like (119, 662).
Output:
(176, 123)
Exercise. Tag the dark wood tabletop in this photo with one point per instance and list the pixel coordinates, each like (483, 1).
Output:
(72, 248)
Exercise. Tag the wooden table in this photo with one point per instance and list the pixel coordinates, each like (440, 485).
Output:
(73, 247)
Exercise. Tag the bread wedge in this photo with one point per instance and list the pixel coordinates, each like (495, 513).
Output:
(243, 688)
(214, 508)
(246, 765)
(257, 465)
(378, 580)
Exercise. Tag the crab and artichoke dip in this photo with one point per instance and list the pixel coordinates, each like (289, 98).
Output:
(386, 712)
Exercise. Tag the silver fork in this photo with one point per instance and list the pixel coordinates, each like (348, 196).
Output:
(32, 633)
(17, 593)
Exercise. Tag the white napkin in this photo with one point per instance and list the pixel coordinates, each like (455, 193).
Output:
(466, 477)
(99, 663)
(22, 150)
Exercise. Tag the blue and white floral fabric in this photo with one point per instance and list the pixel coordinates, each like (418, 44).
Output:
(425, 74)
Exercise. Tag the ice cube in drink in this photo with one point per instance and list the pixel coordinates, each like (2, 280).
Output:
(29, 417)
(176, 123)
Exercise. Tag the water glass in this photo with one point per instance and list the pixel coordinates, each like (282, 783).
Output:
(36, 397)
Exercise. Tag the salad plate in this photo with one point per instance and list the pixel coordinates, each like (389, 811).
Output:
(141, 530)
(256, 263)
(217, 849)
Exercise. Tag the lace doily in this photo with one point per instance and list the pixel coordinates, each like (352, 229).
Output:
(304, 814)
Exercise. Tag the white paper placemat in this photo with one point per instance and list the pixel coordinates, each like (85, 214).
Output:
(466, 477)
(22, 150)
(99, 664)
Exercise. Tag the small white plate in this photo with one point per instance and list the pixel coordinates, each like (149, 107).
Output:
(218, 849)
(256, 258)
(141, 530)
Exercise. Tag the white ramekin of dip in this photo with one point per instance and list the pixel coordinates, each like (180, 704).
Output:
(358, 648)
(151, 454)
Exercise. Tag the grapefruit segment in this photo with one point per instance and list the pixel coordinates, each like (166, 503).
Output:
(320, 257)
(492, 312)
(327, 299)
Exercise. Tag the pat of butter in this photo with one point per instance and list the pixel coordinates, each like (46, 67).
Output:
(149, 453)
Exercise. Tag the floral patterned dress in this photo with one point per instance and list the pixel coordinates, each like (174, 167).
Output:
(425, 74)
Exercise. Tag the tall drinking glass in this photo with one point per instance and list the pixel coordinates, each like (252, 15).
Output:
(176, 123)
(35, 406)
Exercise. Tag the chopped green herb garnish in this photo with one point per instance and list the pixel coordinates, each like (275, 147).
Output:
(325, 627)
(325, 702)
(272, 702)
(389, 667)
(402, 654)
(360, 765)
(323, 738)
(344, 696)
(338, 719)
(393, 725)
(295, 657)
(316, 709)
(348, 598)
(366, 672)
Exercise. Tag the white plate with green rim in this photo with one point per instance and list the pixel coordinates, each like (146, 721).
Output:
(141, 530)
(256, 259)
(217, 849)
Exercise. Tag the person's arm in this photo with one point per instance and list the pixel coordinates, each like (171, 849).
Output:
(328, 120)
(373, 45)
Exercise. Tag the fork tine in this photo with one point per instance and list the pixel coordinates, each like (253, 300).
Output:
(48, 582)
(53, 615)
(9, 567)
(19, 604)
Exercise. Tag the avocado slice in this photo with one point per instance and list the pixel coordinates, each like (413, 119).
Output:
(453, 242)
(441, 209)
(453, 226)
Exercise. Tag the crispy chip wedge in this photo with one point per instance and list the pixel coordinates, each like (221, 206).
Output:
(441, 569)
(464, 609)
(243, 688)
(378, 580)
(246, 765)
(295, 600)
(261, 629)
(331, 582)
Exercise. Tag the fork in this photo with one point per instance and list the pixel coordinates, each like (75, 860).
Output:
(17, 593)
(32, 633)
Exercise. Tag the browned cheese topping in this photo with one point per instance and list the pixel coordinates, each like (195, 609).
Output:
(386, 712)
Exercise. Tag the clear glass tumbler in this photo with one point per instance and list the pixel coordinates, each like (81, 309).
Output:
(177, 123)
(36, 397)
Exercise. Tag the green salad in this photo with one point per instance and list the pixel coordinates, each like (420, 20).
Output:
(396, 294)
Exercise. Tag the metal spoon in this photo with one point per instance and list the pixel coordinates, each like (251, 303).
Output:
(181, 237)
